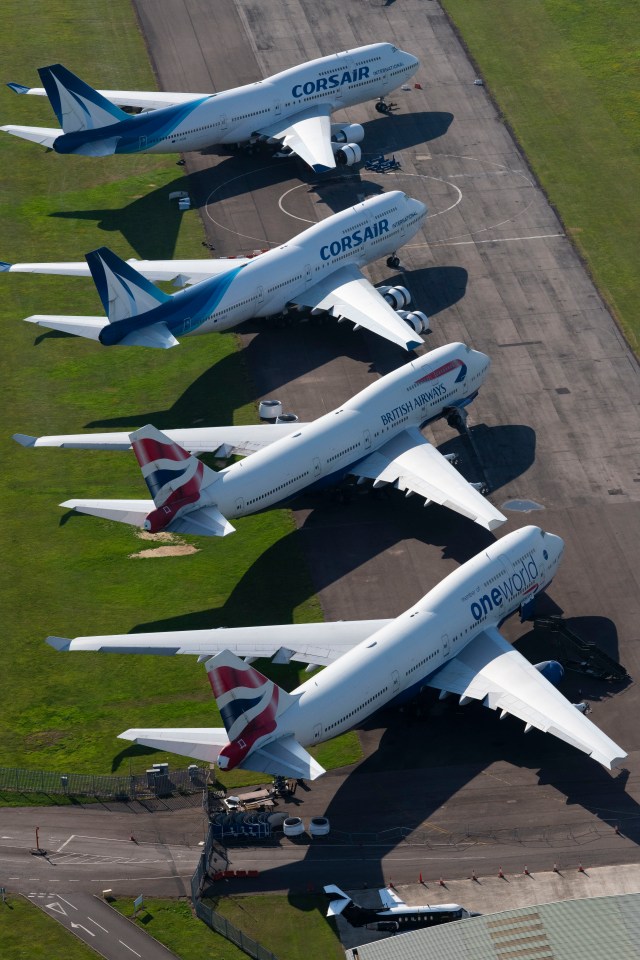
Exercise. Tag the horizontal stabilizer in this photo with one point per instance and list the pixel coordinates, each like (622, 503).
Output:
(134, 512)
(46, 136)
(156, 335)
(88, 327)
(200, 743)
(284, 758)
(19, 87)
(206, 522)
(98, 148)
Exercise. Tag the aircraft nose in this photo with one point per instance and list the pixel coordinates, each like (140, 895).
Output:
(554, 545)
(421, 208)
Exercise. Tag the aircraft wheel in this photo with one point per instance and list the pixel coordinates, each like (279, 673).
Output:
(381, 107)
(393, 262)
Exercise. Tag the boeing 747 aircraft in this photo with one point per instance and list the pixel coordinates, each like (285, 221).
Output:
(292, 108)
(374, 436)
(449, 640)
(319, 269)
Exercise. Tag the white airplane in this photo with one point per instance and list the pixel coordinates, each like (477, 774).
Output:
(292, 108)
(393, 914)
(448, 640)
(319, 269)
(374, 436)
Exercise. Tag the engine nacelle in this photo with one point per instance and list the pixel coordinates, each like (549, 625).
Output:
(396, 297)
(417, 320)
(351, 133)
(347, 155)
(552, 671)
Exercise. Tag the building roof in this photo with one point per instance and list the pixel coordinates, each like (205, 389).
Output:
(591, 929)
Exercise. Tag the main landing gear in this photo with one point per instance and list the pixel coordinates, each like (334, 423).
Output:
(383, 107)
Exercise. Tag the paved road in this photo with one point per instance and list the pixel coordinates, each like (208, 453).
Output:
(557, 424)
(100, 926)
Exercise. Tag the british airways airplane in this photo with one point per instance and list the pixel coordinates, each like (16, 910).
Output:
(374, 436)
(292, 108)
(320, 269)
(448, 640)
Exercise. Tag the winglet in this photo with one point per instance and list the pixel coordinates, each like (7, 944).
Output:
(59, 643)
(18, 87)
(4, 266)
(24, 439)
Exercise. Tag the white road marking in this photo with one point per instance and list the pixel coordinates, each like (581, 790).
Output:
(56, 907)
(67, 902)
(97, 924)
(129, 948)
(60, 849)
(78, 926)
(462, 243)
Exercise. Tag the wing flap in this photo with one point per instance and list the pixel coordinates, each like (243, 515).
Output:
(320, 643)
(491, 670)
(347, 293)
(308, 134)
(200, 743)
(413, 464)
(284, 757)
(225, 441)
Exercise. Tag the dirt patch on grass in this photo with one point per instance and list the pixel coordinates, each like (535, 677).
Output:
(172, 546)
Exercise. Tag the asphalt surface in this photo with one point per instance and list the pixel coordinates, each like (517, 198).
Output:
(556, 424)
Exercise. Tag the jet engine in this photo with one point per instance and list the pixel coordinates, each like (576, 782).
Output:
(351, 133)
(417, 320)
(551, 670)
(346, 154)
(396, 297)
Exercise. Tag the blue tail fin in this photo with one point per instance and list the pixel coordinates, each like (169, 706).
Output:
(124, 292)
(77, 105)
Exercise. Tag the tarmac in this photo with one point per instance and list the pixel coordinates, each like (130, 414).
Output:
(556, 424)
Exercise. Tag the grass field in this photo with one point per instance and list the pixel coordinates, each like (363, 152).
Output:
(565, 75)
(74, 575)
(294, 928)
(26, 933)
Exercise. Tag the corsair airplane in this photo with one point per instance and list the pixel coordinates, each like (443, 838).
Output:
(320, 269)
(394, 913)
(374, 436)
(292, 109)
(448, 640)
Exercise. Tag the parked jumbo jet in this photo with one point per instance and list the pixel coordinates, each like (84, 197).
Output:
(320, 269)
(374, 436)
(292, 108)
(448, 640)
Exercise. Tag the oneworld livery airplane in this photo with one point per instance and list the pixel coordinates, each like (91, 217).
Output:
(375, 436)
(449, 640)
(320, 269)
(292, 108)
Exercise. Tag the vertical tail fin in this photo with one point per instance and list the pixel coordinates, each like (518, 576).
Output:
(124, 292)
(174, 477)
(77, 105)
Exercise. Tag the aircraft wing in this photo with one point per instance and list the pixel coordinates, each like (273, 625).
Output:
(143, 99)
(316, 643)
(308, 134)
(491, 670)
(414, 465)
(180, 272)
(390, 898)
(347, 293)
(224, 441)
(201, 743)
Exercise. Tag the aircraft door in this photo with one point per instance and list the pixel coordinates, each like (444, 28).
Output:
(307, 273)
(277, 108)
(223, 121)
(317, 469)
(259, 295)
(142, 144)
(395, 682)
(366, 436)
(240, 504)
(445, 645)
(317, 732)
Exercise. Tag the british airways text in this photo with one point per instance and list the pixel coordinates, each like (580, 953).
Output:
(354, 240)
(524, 579)
(327, 83)
(414, 404)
